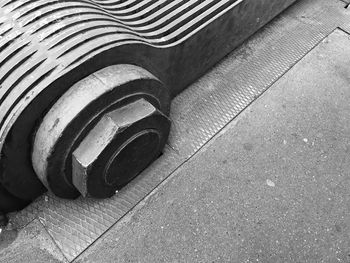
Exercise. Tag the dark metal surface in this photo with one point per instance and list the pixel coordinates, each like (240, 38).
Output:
(9, 202)
(118, 148)
(3, 219)
(76, 113)
(47, 46)
(197, 114)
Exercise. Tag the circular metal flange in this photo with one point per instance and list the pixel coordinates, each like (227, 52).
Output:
(74, 114)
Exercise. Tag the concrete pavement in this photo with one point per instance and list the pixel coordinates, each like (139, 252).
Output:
(274, 186)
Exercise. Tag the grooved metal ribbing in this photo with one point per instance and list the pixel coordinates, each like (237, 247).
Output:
(42, 40)
(198, 114)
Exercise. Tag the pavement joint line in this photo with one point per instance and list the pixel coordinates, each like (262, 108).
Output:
(251, 102)
(344, 30)
(207, 144)
(307, 133)
(324, 31)
(52, 239)
(172, 174)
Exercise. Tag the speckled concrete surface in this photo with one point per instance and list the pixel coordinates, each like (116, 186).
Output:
(30, 245)
(274, 186)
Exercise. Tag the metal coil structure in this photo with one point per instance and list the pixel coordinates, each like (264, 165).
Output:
(72, 69)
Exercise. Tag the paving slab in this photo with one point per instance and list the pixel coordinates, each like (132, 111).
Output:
(32, 244)
(197, 114)
(273, 186)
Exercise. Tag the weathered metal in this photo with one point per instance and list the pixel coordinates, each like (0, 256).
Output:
(48, 46)
(118, 148)
(3, 219)
(9, 202)
(72, 117)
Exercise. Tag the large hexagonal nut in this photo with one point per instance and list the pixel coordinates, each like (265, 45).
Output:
(122, 144)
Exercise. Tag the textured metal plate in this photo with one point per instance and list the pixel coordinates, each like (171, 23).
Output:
(301, 29)
(198, 114)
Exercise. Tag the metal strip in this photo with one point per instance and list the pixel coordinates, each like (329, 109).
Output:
(198, 114)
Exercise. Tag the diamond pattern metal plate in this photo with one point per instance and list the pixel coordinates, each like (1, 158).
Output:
(198, 114)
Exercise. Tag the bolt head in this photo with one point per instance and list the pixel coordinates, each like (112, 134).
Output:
(118, 148)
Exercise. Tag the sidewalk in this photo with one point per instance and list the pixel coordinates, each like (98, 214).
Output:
(274, 186)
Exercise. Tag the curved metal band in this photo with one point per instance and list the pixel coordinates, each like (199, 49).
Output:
(49, 38)
(48, 46)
